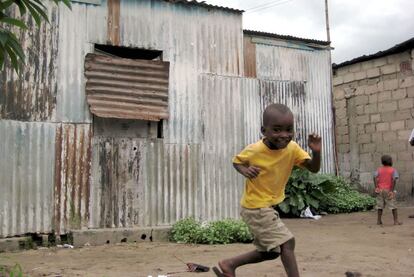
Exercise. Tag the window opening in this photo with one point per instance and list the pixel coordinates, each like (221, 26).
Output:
(127, 52)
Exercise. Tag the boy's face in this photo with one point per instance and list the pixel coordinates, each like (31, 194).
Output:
(278, 130)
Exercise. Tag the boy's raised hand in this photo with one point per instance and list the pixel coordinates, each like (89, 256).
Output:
(315, 142)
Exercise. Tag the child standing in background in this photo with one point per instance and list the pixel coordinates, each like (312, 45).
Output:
(385, 179)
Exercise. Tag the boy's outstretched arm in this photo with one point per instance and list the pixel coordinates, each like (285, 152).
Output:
(250, 172)
(315, 144)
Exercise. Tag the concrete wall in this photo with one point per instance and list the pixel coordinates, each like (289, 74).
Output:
(374, 103)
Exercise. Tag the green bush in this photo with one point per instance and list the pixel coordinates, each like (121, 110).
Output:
(345, 199)
(226, 231)
(187, 230)
(322, 192)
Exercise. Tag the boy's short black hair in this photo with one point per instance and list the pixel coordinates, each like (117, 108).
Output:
(283, 109)
(386, 160)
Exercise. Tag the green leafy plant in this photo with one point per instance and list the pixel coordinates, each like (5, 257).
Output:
(187, 230)
(9, 44)
(305, 189)
(322, 192)
(226, 231)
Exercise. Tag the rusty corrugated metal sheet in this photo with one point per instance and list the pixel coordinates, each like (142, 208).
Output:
(116, 194)
(26, 177)
(31, 96)
(125, 88)
(72, 177)
(142, 182)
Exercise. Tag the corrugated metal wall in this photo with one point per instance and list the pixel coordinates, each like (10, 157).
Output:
(79, 29)
(312, 68)
(194, 41)
(72, 176)
(27, 161)
(78, 180)
(31, 96)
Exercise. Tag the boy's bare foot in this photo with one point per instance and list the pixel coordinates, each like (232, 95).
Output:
(398, 223)
(225, 270)
(379, 223)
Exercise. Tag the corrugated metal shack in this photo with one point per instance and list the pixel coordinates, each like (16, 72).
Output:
(128, 113)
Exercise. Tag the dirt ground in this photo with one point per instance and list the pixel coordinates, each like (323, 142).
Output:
(325, 248)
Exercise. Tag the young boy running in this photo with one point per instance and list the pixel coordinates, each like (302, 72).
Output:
(385, 179)
(267, 165)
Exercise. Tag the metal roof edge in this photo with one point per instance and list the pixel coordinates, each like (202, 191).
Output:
(287, 37)
(398, 48)
(204, 4)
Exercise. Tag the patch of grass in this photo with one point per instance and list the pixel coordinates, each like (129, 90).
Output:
(226, 231)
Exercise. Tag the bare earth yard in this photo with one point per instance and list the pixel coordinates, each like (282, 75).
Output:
(325, 248)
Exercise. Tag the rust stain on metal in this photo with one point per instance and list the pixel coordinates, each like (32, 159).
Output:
(72, 177)
(118, 162)
(31, 95)
(249, 58)
(58, 182)
(124, 88)
(113, 21)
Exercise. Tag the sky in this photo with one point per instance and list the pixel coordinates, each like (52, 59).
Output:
(357, 27)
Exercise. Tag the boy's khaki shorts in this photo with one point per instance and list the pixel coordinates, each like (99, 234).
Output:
(268, 230)
(384, 200)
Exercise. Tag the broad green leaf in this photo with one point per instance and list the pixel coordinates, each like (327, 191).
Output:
(317, 194)
(327, 187)
(295, 210)
(284, 207)
(312, 202)
(301, 204)
(16, 48)
(14, 22)
(3, 38)
(22, 7)
(13, 58)
(6, 4)
(294, 200)
(37, 18)
(40, 9)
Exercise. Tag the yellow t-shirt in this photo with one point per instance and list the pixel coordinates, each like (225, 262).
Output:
(268, 188)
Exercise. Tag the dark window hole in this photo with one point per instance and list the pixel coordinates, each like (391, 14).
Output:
(128, 53)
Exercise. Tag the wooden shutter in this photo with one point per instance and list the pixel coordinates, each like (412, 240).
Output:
(126, 88)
